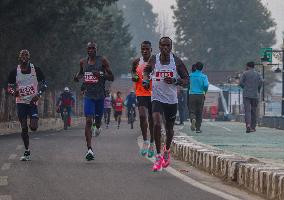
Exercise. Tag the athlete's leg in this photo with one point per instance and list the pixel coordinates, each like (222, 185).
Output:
(170, 111)
(108, 115)
(22, 110)
(33, 113)
(89, 109)
(150, 120)
(143, 121)
(99, 109)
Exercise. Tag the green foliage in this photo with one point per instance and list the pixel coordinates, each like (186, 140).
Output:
(142, 22)
(56, 33)
(224, 34)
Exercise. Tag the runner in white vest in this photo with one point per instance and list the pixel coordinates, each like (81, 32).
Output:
(26, 83)
(167, 71)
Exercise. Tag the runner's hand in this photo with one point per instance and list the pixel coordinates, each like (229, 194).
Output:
(146, 84)
(135, 78)
(170, 80)
(35, 99)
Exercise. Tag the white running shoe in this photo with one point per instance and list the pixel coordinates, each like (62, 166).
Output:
(90, 155)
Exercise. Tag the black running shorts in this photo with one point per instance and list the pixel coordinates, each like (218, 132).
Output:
(169, 110)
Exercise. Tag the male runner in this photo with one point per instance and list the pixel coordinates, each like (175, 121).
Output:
(107, 108)
(118, 107)
(94, 70)
(168, 71)
(144, 98)
(26, 83)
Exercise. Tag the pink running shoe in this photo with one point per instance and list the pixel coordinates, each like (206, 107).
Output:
(166, 158)
(158, 164)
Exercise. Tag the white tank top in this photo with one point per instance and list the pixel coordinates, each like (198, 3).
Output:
(161, 91)
(27, 85)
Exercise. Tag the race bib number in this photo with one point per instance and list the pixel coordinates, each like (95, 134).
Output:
(160, 75)
(90, 78)
(118, 104)
(27, 90)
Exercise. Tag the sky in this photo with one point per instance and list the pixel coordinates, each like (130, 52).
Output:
(162, 7)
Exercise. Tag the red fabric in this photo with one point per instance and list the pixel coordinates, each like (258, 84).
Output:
(118, 104)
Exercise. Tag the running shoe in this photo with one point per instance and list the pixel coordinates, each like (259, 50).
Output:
(198, 131)
(90, 155)
(98, 132)
(166, 158)
(26, 156)
(144, 149)
(193, 125)
(151, 150)
(158, 164)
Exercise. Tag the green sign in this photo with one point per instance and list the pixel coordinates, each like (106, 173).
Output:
(266, 54)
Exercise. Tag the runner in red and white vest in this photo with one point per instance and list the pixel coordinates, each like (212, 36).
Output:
(167, 71)
(26, 83)
(118, 107)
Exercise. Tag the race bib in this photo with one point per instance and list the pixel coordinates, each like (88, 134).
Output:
(160, 75)
(27, 90)
(90, 78)
(118, 104)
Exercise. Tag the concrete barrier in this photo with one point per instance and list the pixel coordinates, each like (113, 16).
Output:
(43, 125)
(266, 180)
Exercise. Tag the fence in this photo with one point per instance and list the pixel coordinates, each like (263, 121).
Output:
(46, 106)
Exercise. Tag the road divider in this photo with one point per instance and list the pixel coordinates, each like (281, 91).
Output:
(264, 179)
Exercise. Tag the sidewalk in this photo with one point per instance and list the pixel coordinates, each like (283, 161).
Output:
(265, 143)
(252, 161)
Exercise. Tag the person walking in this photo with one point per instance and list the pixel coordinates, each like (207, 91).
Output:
(197, 89)
(251, 82)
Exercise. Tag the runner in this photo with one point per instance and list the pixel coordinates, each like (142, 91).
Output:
(131, 103)
(144, 98)
(65, 100)
(107, 108)
(26, 83)
(168, 71)
(94, 70)
(118, 107)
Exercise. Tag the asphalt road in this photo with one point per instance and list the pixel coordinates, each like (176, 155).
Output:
(58, 170)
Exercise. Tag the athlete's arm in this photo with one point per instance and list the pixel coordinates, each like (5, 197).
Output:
(42, 84)
(133, 69)
(147, 71)
(11, 83)
(79, 74)
(108, 73)
(182, 72)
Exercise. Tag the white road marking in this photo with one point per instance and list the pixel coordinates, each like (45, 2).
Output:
(193, 182)
(227, 129)
(19, 147)
(36, 138)
(5, 197)
(12, 156)
(6, 166)
(3, 180)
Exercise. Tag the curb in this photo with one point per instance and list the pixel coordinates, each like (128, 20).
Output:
(43, 125)
(266, 180)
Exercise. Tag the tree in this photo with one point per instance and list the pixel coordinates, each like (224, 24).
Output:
(56, 34)
(224, 34)
(142, 22)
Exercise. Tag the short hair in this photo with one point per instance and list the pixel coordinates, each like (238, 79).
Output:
(250, 64)
(118, 92)
(92, 44)
(193, 68)
(199, 66)
(165, 37)
(147, 42)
